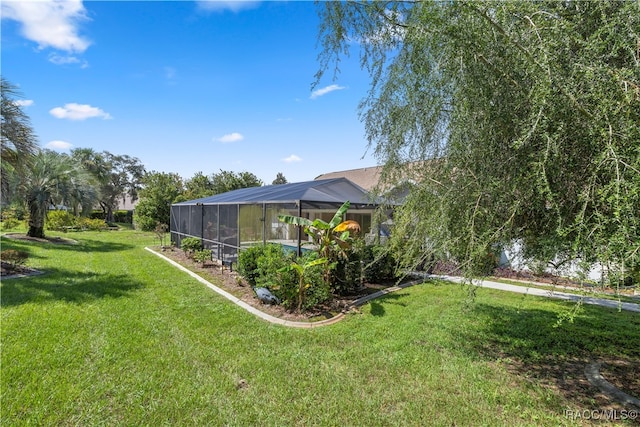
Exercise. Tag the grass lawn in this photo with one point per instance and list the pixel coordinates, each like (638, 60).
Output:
(113, 335)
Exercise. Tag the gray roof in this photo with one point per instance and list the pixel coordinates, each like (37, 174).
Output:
(328, 191)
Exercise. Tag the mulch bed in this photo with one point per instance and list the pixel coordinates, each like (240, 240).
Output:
(232, 282)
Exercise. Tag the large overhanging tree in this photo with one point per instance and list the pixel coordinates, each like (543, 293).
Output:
(526, 114)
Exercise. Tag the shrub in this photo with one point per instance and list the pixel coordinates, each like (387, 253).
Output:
(379, 265)
(9, 223)
(92, 224)
(202, 256)
(10, 218)
(14, 257)
(145, 223)
(58, 220)
(260, 264)
(190, 245)
(123, 216)
(307, 272)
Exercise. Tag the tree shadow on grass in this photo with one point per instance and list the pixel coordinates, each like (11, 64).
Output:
(83, 245)
(377, 305)
(61, 285)
(531, 343)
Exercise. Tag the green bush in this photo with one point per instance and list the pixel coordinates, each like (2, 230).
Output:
(10, 218)
(269, 266)
(248, 263)
(123, 216)
(260, 264)
(92, 224)
(316, 291)
(202, 256)
(190, 245)
(9, 223)
(58, 220)
(14, 257)
(379, 265)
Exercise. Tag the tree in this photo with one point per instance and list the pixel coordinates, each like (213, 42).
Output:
(52, 179)
(280, 179)
(158, 191)
(530, 110)
(229, 181)
(117, 176)
(18, 140)
(197, 187)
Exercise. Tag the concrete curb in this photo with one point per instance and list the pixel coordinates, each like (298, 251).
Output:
(592, 372)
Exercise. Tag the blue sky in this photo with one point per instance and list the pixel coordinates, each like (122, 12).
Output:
(186, 86)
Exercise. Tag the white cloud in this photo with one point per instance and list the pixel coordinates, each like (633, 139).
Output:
(325, 90)
(59, 145)
(54, 58)
(292, 159)
(75, 111)
(231, 137)
(50, 23)
(221, 6)
(24, 102)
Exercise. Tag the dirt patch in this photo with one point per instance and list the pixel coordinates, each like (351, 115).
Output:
(233, 283)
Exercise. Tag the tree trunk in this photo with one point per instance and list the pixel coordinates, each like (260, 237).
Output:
(35, 232)
(37, 214)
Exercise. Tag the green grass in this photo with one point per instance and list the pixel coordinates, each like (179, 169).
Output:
(113, 335)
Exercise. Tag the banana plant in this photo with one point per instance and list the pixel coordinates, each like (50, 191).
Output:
(301, 270)
(332, 238)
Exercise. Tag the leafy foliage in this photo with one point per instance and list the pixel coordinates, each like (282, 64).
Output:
(277, 269)
(159, 190)
(115, 176)
(331, 243)
(523, 117)
(202, 255)
(191, 245)
(18, 141)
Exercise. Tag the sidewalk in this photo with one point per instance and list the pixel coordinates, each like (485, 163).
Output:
(628, 306)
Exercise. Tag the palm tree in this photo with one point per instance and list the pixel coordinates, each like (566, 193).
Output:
(18, 141)
(53, 178)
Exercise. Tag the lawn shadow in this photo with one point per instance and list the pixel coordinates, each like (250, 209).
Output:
(82, 245)
(61, 285)
(533, 344)
(378, 304)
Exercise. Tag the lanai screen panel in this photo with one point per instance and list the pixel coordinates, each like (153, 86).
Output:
(228, 223)
(251, 223)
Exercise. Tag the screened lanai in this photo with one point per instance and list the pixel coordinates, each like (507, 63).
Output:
(228, 222)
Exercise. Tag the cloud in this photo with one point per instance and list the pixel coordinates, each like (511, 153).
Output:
(231, 137)
(59, 145)
(24, 102)
(292, 159)
(50, 23)
(221, 6)
(325, 90)
(54, 58)
(75, 111)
